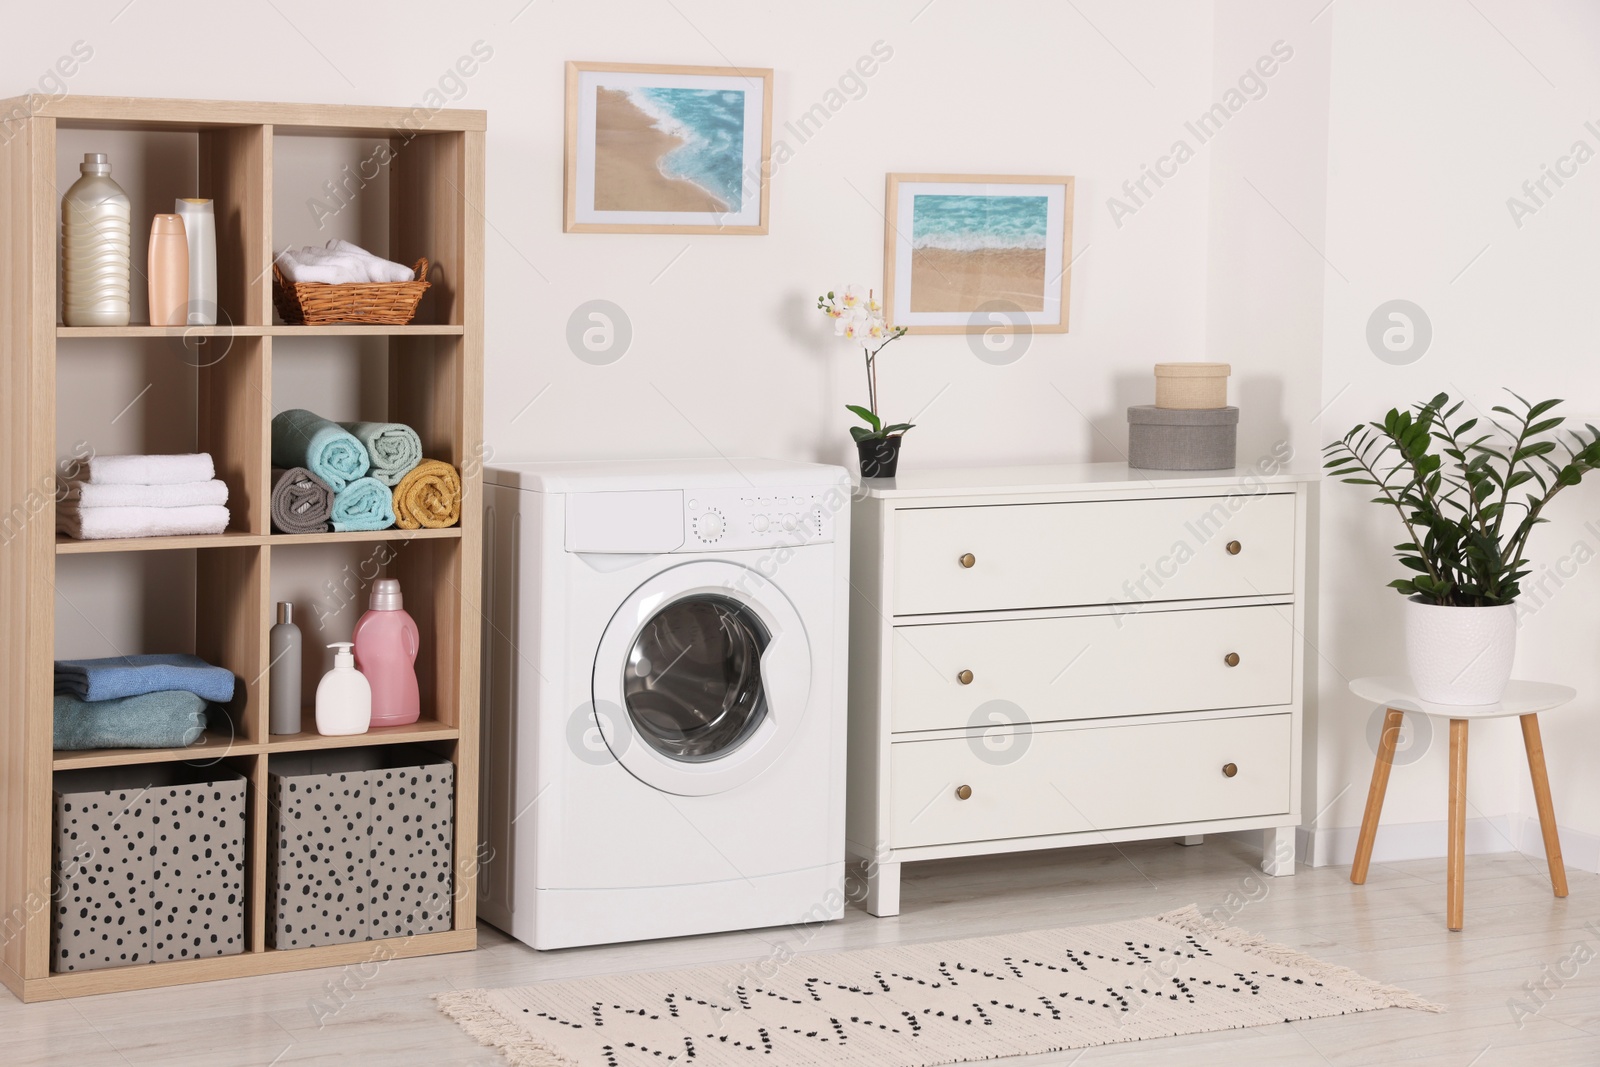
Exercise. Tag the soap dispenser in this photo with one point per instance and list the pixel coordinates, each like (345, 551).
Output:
(344, 699)
(386, 640)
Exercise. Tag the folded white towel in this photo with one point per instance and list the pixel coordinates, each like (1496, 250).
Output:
(184, 495)
(340, 263)
(150, 470)
(380, 269)
(95, 524)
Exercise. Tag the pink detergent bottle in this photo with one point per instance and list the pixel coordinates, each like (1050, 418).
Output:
(387, 641)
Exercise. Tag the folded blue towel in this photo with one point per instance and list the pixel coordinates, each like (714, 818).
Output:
(150, 720)
(364, 504)
(127, 676)
(301, 438)
(394, 448)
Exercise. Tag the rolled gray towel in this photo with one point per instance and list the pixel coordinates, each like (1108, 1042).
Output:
(301, 502)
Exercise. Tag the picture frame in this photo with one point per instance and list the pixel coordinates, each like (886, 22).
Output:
(653, 148)
(976, 253)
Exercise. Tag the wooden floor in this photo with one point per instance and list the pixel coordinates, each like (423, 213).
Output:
(1517, 938)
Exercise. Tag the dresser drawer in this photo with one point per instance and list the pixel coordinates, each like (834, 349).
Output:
(1093, 552)
(1069, 780)
(1091, 667)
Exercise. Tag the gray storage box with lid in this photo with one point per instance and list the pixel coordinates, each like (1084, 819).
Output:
(149, 865)
(1179, 439)
(361, 845)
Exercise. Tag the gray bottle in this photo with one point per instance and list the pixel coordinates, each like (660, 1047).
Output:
(284, 678)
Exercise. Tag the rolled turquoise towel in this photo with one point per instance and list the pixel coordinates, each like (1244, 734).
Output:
(173, 719)
(393, 447)
(364, 504)
(301, 438)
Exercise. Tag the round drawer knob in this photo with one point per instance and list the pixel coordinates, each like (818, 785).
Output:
(968, 559)
(1231, 659)
(1229, 770)
(1234, 547)
(965, 677)
(965, 791)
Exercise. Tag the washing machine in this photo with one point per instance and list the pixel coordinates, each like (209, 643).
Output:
(664, 698)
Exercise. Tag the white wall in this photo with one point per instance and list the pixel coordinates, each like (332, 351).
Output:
(1375, 164)
(1438, 114)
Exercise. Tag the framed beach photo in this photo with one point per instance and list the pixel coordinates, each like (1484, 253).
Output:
(656, 149)
(971, 253)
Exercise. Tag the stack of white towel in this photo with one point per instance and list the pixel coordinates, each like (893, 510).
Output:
(339, 263)
(143, 496)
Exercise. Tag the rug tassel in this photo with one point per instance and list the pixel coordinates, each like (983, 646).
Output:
(473, 1012)
(1189, 918)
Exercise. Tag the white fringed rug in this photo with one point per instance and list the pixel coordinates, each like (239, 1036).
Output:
(919, 1005)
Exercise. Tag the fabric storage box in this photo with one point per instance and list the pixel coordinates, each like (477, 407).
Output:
(148, 866)
(1190, 386)
(361, 846)
(1179, 440)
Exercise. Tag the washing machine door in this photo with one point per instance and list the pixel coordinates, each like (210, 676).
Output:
(702, 678)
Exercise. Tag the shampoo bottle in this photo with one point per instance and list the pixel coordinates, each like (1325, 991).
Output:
(344, 699)
(386, 641)
(168, 272)
(283, 679)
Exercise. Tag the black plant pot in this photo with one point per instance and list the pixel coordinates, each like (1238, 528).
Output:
(879, 456)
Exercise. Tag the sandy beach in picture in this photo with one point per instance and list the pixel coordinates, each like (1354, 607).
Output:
(970, 250)
(944, 279)
(630, 153)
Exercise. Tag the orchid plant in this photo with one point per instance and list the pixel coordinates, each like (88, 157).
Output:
(858, 316)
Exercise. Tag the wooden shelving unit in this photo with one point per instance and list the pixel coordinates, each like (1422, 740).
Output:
(432, 379)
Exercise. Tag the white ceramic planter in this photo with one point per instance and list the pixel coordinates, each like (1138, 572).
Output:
(1460, 655)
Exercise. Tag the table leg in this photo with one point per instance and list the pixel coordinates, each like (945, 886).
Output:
(1541, 795)
(1380, 784)
(1455, 882)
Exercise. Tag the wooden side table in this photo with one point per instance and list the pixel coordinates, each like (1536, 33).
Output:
(1522, 699)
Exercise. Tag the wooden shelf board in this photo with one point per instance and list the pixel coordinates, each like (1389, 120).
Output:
(422, 730)
(213, 745)
(146, 113)
(243, 965)
(142, 330)
(66, 546)
(450, 533)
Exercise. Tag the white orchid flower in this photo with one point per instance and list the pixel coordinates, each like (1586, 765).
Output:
(853, 296)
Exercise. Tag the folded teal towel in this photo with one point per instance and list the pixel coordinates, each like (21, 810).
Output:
(364, 504)
(301, 438)
(128, 676)
(151, 720)
(393, 447)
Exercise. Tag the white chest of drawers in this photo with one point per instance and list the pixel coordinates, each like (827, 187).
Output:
(1052, 656)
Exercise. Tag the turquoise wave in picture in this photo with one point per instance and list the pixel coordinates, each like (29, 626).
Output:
(967, 223)
(710, 123)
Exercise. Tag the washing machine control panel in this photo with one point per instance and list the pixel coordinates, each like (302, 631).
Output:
(760, 518)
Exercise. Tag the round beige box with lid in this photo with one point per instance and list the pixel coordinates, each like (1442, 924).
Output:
(1189, 386)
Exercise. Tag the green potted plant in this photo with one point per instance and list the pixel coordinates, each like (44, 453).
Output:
(858, 317)
(1452, 485)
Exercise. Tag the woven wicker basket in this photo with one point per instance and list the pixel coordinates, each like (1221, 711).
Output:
(1187, 386)
(368, 303)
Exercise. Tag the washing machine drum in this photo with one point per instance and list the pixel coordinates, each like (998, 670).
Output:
(692, 687)
(702, 678)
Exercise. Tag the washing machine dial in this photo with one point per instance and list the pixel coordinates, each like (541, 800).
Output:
(791, 522)
(709, 526)
(760, 523)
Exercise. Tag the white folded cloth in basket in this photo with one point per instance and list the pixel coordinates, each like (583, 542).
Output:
(340, 263)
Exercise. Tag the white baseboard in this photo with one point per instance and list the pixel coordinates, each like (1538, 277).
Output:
(1335, 846)
(1579, 851)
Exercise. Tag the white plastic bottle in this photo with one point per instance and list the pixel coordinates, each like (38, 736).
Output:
(344, 699)
(96, 247)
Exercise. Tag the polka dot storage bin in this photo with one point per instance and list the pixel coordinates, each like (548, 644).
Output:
(361, 845)
(148, 865)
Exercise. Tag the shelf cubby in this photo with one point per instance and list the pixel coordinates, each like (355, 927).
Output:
(215, 389)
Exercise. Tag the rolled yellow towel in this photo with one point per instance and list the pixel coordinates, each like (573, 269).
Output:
(429, 495)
